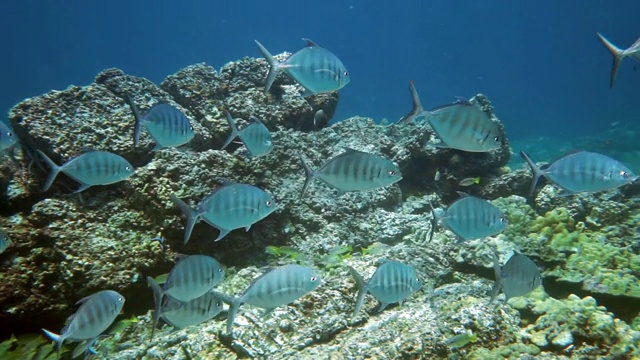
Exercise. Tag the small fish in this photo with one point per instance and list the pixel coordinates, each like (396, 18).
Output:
(256, 137)
(518, 277)
(162, 241)
(460, 125)
(437, 176)
(168, 126)
(90, 169)
(470, 181)
(316, 69)
(618, 54)
(278, 287)
(471, 218)
(5, 242)
(233, 206)
(353, 170)
(95, 314)
(582, 171)
(191, 277)
(320, 119)
(182, 314)
(7, 137)
(391, 283)
(461, 340)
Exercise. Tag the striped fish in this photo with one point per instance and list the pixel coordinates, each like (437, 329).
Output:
(255, 137)
(278, 287)
(182, 314)
(7, 137)
(518, 277)
(391, 283)
(618, 54)
(5, 242)
(95, 314)
(354, 170)
(472, 218)
(191, 277)
(233, 206)
(460, 125)
(91, 168)
(582, 172)
(168, 126)
(316, 69)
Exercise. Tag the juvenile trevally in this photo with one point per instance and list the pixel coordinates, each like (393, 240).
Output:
(182, 314)
(460, 125)
(232, 206)
(191, 277)
(278, 287)
(391, 283)
(168, 126)
(518, 277)
(91, 168)
(582, 171)
(255, 136)
(7, 137)
(315, 68)
(618, 54)
(5, 242)
(354, 170)
(94, 316)
(471, 218)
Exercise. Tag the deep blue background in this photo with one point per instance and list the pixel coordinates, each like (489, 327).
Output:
(539, 62)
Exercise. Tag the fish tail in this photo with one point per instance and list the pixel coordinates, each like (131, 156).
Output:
(234, 131)
(273, 66)
(497, 284)
(417, 109)
(191, 214)
(157, 295)
(136, 115)
(309, 173)
(234, 305)
(55, 170)
(534, 169)
(617, 57)
(58, 339)
(434, 222)
(361, 289)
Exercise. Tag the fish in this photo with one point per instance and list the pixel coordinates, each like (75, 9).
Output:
(5, 242)
(320, 119)
(255, 137)
(182, 314)
(472, 218)
(461, 340)
(353, 170)
(618, 55)
(190, 278)
(7, 137)
(518, 277)
(275, 288)
(315, 68)
(460, 125)
(470, 181)
(168, 126)
(95, 314)
(392, 282)
(233, 206)
(582, 171)
(437, 175)
(90, 169)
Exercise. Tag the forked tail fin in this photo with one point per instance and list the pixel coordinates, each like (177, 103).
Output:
(617, 54)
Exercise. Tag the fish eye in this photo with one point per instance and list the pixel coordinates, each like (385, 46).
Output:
(268, 203)
(128, 168)
(346, 73)
(120, 299)
(218, 304)
(313, 279)
(502, 219)
(624, 174)
(191, 128)
(9, 134)
(391, 172)
(497, 138)
(220, 270)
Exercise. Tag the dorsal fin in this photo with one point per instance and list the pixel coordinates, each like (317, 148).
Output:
(309, 42)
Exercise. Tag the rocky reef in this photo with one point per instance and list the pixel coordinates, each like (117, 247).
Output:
(66, 246)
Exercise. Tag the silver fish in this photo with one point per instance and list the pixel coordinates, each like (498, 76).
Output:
(354, 170)
(168, 126)
(320, 119)
(391, 283)
(256, 137)
(7, 137)
(618, 54)
(95, 314)
(191, 277)
(518, 277)
(472, 218)
(91, 168)
(182, 314)
(5, 242)
(278, 287)
(316, 69)
(583, 172)
(233, 206)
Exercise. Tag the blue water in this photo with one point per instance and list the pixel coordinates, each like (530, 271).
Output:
(539, 62)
